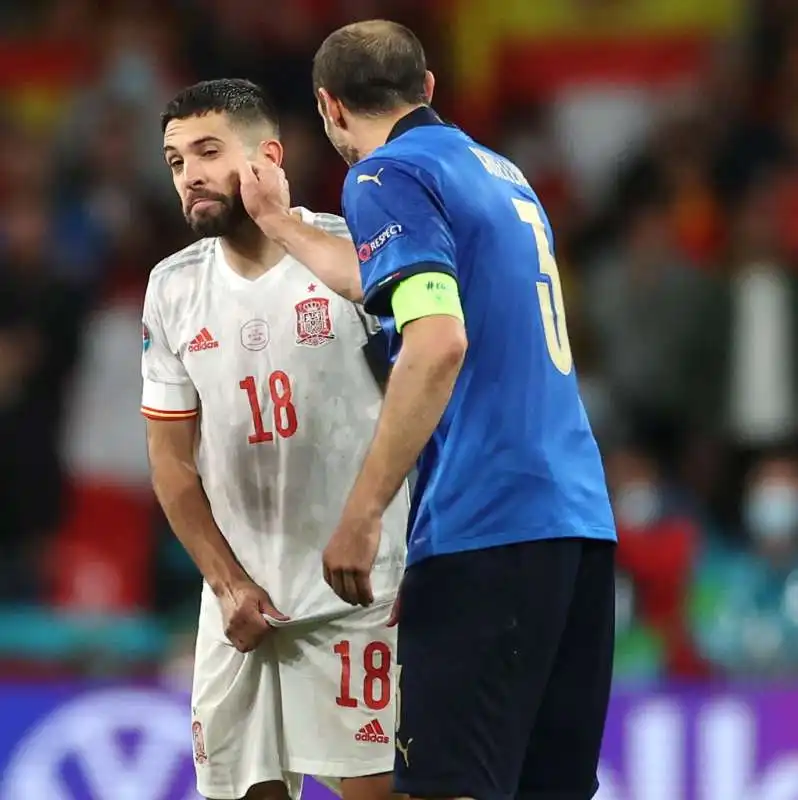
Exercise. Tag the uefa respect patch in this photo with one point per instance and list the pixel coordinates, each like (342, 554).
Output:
(387, 234)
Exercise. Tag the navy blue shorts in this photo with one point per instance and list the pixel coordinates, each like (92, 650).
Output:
(506, 663)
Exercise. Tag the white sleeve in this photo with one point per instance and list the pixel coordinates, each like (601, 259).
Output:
(167, 392)
(332, 223)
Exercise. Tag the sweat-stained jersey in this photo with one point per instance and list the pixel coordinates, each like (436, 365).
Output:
(513, 458)
(287, 407)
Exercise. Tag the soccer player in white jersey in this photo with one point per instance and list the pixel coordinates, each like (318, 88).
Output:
(260, 406)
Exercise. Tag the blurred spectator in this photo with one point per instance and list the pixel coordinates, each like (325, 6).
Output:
(40, 321)
(269, 42)
(651, 314)
(134, 73)
(133, 222)
(659, 544)
(763, 333)
(746, 602)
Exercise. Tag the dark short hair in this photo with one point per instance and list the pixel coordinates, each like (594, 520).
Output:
(243, 101)
(372, 67)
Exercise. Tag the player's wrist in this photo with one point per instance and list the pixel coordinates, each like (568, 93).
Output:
(226, 585)
(274, 220)
(364, 507)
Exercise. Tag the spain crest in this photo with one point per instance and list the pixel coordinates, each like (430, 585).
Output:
(313, 322)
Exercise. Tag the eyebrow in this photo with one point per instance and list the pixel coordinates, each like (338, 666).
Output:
(195, 144)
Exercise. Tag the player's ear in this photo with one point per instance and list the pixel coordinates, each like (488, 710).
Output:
(323, 102)
(271, 150)
(429, 86)
(331, 109)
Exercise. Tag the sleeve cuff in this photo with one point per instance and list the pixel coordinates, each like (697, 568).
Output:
(168, 401)
(377, 297)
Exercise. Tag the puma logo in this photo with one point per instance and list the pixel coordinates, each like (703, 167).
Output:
(371, 178)
(403, 750)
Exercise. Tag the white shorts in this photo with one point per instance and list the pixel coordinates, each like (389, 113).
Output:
(315, 699)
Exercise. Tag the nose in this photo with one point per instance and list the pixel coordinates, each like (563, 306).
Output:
(193, 174)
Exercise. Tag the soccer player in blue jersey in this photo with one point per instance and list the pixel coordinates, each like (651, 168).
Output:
(506, 615)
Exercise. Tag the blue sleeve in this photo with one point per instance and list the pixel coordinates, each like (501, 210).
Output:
(399, 226)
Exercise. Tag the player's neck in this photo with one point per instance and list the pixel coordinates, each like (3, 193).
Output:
(250, 253)
(376, 130)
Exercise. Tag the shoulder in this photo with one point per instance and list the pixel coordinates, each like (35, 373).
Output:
(383, 183)
(329, 223)
(384, 164)
(182, 265)
(187, 259)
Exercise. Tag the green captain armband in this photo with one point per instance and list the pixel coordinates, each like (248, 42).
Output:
(426, 295)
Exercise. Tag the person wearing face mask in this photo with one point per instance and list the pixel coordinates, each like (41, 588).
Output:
(658, 545)
(638, 504)
(770, 513)
(750, 620)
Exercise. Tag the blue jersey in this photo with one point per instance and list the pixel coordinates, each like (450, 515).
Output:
(513, 458)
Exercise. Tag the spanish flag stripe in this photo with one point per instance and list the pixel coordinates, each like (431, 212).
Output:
(157, 414)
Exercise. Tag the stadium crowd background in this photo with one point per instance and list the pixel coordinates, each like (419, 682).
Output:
(663, 141)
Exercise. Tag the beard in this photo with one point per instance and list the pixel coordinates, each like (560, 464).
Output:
(346, 151)
(222, 219)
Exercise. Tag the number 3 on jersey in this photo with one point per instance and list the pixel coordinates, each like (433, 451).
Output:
(552, 307)
(285, 421)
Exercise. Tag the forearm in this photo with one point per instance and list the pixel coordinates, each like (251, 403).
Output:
(332, 259)
(417, 395)
(180, 493)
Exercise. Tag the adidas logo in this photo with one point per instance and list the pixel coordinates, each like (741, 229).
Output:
(372, 732)
(202, 341)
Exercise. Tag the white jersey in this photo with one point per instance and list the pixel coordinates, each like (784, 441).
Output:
(287, 408)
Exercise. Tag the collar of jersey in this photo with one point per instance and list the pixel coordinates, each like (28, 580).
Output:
(415, 119)
(234, 279)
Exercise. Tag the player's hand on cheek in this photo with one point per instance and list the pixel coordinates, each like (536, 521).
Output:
(243, 609)
(264, 189)
(349, 557)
